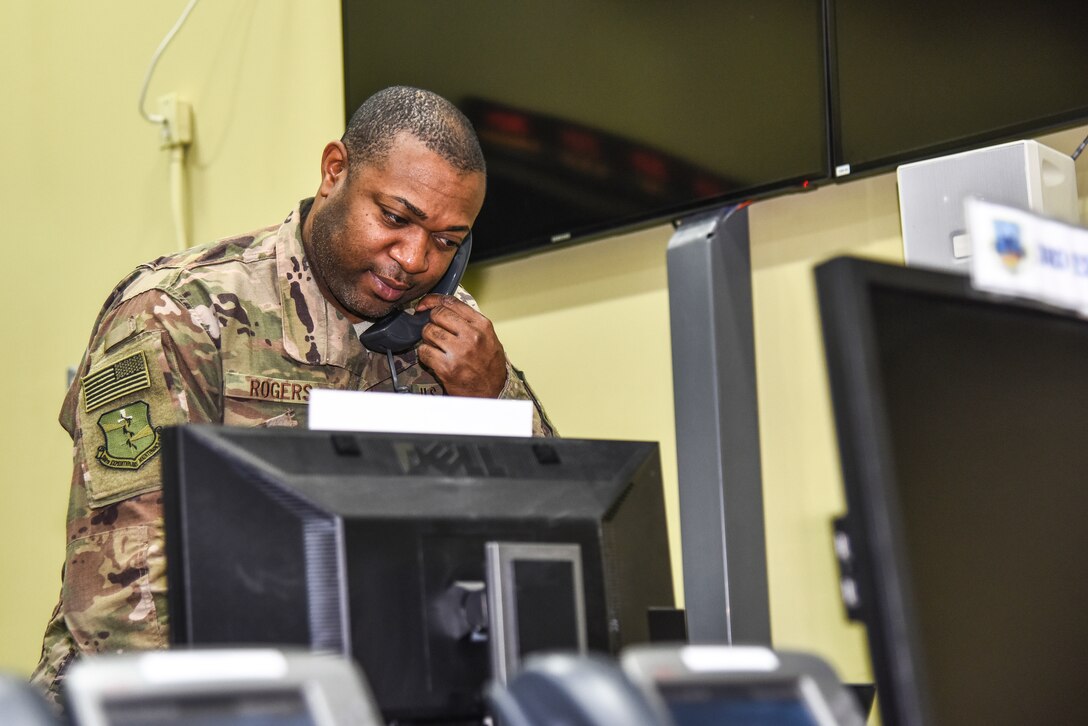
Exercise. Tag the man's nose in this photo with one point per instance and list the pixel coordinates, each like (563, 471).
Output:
(410, 250)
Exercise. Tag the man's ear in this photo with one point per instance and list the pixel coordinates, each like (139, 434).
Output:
(334, 167)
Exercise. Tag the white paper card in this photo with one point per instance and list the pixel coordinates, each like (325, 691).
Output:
(719, 658)
(1026, 255)
(415, 414)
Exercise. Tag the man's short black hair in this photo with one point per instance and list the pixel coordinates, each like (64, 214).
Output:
(430, 118)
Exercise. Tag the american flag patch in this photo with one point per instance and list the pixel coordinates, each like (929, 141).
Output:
(127, 375)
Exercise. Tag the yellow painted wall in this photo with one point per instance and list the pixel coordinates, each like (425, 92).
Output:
(85, 195)
(85, 188)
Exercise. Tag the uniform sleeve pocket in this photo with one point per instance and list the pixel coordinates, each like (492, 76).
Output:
(125, 401)
(113, 590)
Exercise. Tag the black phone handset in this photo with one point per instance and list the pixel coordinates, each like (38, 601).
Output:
(399, 330)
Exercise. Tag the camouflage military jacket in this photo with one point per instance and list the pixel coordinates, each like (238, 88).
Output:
(237, 333)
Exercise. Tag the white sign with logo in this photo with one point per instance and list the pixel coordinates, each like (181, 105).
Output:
(1026, 255)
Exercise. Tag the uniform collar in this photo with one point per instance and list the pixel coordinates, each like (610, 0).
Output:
(314, 331)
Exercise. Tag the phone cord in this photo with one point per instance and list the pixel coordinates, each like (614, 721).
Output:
(393, 372)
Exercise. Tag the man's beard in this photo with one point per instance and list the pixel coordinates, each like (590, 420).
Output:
(328, 265)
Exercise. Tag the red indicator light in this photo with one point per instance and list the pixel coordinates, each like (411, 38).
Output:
(508, 122)
(580, 141)
(649, 165)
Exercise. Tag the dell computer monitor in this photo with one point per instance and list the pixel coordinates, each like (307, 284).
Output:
(962, 422)
(382, 546)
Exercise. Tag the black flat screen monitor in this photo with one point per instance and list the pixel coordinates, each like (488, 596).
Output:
(375, 545)
(962, 423)
(598, 116)
(911, 80)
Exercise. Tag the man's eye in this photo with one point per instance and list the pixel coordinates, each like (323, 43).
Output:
(448, 242)
(394, 218)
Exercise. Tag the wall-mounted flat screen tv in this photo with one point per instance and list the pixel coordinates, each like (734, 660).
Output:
(606, 115)
(919, 79)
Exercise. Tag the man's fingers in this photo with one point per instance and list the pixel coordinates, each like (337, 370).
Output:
(438, 335)
(459, 318)
(449, 303)
(431, 357)
(461, 349)
(450, 319)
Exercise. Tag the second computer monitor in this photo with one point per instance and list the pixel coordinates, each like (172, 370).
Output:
(378, 545)
(962, 422)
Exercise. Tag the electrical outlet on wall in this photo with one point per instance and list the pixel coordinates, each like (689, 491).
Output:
(177, 125)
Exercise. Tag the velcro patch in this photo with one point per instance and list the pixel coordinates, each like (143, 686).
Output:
(131, 439)
(107, 384)
(266, 388)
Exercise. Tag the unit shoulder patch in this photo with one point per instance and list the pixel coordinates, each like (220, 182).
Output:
(131, 439)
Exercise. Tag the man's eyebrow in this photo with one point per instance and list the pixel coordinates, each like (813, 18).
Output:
(412, 208)
(423, 215)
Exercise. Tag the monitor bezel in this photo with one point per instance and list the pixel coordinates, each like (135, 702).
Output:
(330, 689)
(706, 673)
(845, 288)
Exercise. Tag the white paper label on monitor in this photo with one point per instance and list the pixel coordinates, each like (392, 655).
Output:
(408, 414)
(1023, 254)
(718, 658)
(196, 666)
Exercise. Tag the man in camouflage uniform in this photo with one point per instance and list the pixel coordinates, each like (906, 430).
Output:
(240, 333)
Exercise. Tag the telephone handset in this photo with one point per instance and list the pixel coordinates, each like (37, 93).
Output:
(398, 331)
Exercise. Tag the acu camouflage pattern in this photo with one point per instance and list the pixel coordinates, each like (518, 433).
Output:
(237, 333)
